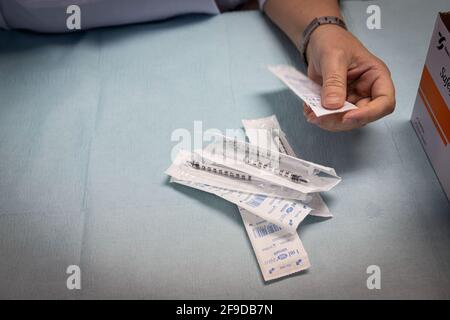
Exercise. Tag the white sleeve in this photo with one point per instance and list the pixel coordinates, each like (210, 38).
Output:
(261, 4)
(3, 24)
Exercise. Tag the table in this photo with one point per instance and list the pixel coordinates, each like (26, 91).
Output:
(85, 136)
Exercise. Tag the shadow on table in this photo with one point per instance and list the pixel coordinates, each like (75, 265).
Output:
(209, 200)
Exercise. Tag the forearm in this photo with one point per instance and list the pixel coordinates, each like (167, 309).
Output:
(293, 16)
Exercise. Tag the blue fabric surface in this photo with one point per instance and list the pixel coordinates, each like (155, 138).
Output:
(85, 127)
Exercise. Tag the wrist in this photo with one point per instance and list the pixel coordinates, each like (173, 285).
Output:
(324, 37)
(318, 23)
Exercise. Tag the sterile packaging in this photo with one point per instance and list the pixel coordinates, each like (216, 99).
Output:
(183, 169)
(267, 133)
(270, 165)
(279, 252)
(306, 89)
(273, 190)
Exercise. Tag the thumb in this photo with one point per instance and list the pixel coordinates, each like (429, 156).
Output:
(334, 83)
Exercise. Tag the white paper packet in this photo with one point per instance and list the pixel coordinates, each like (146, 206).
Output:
(267, 133)
(306, 89)
(279, 252)
(270, 165)
(267, 241)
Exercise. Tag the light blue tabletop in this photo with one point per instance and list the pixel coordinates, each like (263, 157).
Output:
(85, 136)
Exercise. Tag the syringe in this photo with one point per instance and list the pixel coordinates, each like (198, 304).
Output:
(250, 151)
(281, 172)
(220, 170)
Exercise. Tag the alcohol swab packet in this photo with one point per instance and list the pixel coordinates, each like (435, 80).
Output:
(306, 89)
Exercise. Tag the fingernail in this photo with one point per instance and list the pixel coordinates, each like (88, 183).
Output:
(332, 100)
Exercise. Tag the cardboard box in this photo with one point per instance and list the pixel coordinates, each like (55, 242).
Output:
(431, 114)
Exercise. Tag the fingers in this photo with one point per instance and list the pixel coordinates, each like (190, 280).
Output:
(334, 83)
(308, 113)
(371, 111)
(374, 97)
(381, 103)
(333, 122)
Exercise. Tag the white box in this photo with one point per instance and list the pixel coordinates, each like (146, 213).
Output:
(431, 114)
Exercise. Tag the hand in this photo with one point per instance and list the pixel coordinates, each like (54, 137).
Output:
(347, 71)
